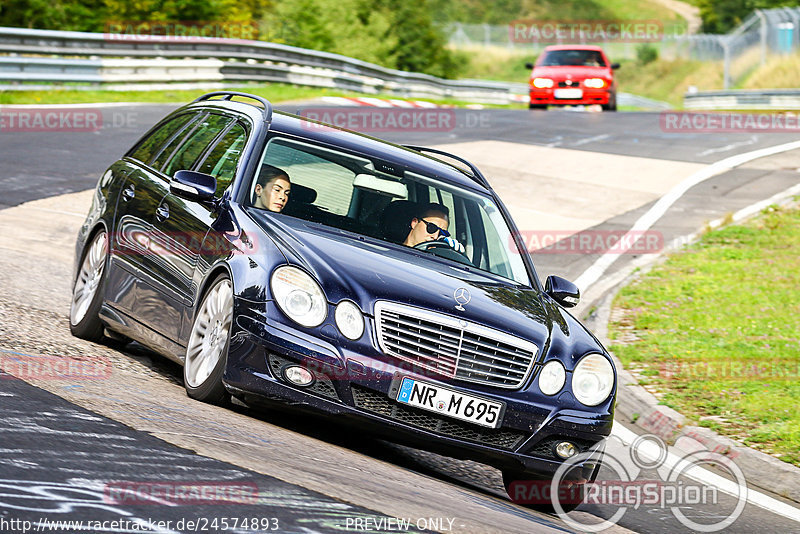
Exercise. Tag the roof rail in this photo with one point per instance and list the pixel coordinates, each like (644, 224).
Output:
(228, 95)
(476, 174)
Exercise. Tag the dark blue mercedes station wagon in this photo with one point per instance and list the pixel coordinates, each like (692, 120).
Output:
(282, 260)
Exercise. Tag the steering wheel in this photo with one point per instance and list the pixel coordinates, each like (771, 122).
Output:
(443, 250)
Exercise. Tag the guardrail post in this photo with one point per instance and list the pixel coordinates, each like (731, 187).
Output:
(726, 50)
(763, 31)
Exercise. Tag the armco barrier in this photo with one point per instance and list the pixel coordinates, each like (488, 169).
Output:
(120, 58)
(239, 60)
(744, 99)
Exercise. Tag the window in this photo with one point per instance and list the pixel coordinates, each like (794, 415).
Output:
(222, 161)
(328, 173)
(183, 151)
(148, 147)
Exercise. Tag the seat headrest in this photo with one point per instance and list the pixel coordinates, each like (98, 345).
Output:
(302, 194)
(396, 220)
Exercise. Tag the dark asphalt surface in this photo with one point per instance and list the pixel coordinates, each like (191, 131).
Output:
(43, 438)
(59, 462)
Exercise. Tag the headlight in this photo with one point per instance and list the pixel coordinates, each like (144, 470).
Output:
(552, 378)
(299, 296)
(349, 320)
(594, 83)
(542, 83)
(592, 380)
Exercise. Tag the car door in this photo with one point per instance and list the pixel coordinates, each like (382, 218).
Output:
(140, 193)
(180, 225)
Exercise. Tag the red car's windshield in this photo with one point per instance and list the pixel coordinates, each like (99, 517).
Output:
(586, 58)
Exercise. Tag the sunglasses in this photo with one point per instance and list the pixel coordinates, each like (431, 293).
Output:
(432, 229)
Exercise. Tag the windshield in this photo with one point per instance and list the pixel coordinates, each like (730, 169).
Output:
(586, 58)
(375, 198)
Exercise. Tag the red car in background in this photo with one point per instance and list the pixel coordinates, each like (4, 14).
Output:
(569, 75)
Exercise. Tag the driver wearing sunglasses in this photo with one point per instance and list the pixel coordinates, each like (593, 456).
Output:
(431, 225)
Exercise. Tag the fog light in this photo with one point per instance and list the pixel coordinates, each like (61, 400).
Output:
(565, 449)
(299, 376)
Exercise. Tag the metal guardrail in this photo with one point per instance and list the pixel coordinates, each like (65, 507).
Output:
(95, 58)
(784, 99)
(239, 60)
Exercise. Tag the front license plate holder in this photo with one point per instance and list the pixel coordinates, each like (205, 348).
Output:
(447, 402)
(569, 93)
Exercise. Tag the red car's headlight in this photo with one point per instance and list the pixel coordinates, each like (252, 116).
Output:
(594, 83)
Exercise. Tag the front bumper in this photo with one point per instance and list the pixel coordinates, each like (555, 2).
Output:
(356, 385)
(589, 96)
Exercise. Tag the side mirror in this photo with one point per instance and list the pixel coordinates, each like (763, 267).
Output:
(529, 66)
(615, 66)
(563, 291)
(193, 185)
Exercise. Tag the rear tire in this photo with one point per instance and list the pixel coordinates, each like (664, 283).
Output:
(207, 350)
(533, 491)
(87, 290)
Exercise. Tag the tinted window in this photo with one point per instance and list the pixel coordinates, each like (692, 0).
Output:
(190, 146)
(332, 181)
(149, 146)
(223, 159)
(586, 58)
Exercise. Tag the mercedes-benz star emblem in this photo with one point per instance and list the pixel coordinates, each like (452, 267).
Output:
(462, 297)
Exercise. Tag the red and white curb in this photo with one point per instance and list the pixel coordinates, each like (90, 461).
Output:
(380, 102)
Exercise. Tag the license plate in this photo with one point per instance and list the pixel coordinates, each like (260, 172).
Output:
(451, 403)
(571, 94)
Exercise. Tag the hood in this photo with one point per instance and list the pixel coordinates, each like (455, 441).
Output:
(364, 270)
(576, 72)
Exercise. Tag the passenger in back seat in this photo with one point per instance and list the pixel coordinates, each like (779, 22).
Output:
(272, 189)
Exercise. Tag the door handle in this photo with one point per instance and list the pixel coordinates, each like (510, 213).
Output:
(128, 193)
(162, 212)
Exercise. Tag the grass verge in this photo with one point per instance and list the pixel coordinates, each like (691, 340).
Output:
(275, 93)
(715, 330)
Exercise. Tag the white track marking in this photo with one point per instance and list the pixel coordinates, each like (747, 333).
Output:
(707, 477)
(731, 146)
(646, 221)
(591, 140)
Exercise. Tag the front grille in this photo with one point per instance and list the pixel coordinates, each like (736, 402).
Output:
(381, 404)
(453, 347)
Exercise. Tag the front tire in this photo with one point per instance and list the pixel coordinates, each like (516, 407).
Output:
(537, 106)
(612, 103)
(84, 320)
(207, 350)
